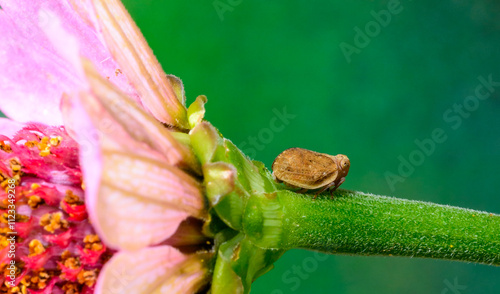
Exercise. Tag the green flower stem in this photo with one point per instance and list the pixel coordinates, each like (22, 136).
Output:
(363, 224)
(225, 280)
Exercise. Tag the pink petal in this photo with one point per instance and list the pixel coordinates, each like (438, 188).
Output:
(139, 196)
(153, 180)
(138, 62)
(131, 223)
(65, 44)
(80, 127)
(130, 189)
(9, 127)
(33, 75)
(135, 121)
(158, 270)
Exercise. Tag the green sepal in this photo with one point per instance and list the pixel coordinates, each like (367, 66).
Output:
(205, 139)
(220, 182)
(263, 220)
(230, 209)
(247, 260)
(182, 138)
(248, 174)
(178, 88)
(196, 111)
(224, 278)
(269, 183)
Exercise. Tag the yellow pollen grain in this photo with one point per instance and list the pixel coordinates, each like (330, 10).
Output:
(17, 270)
(36, 247)
(5, 147)
(25, 281)
(40, 279)
(16, 168)
(92, 242)
(4, 231)
(44, 142)
(65, 255)
(4, 219)
(4, 242)
(35, 186)
(15, 165)
(71, 198)
(45, 152)
(118, 71)
(96, 247)
(31, 144)
(87, 277)
(53, 221)
(55, 141)
(70, 288)
(72, 263)
(21, 218)
(5, 185)
(91, 238)
(4, 204)
(35, 201)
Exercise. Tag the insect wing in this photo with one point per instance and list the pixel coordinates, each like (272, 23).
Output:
(305, 169)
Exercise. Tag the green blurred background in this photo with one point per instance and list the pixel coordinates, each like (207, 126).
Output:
(253, 57)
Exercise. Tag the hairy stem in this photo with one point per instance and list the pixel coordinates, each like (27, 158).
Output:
(363, 224)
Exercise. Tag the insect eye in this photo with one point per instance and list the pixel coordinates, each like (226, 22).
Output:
(344, 163)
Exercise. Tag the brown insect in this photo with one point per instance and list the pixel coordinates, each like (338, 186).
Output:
(301, 168)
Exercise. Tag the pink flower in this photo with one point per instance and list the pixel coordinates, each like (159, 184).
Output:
(107, 115)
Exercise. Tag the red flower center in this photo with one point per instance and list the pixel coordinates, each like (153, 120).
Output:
(47, 243)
